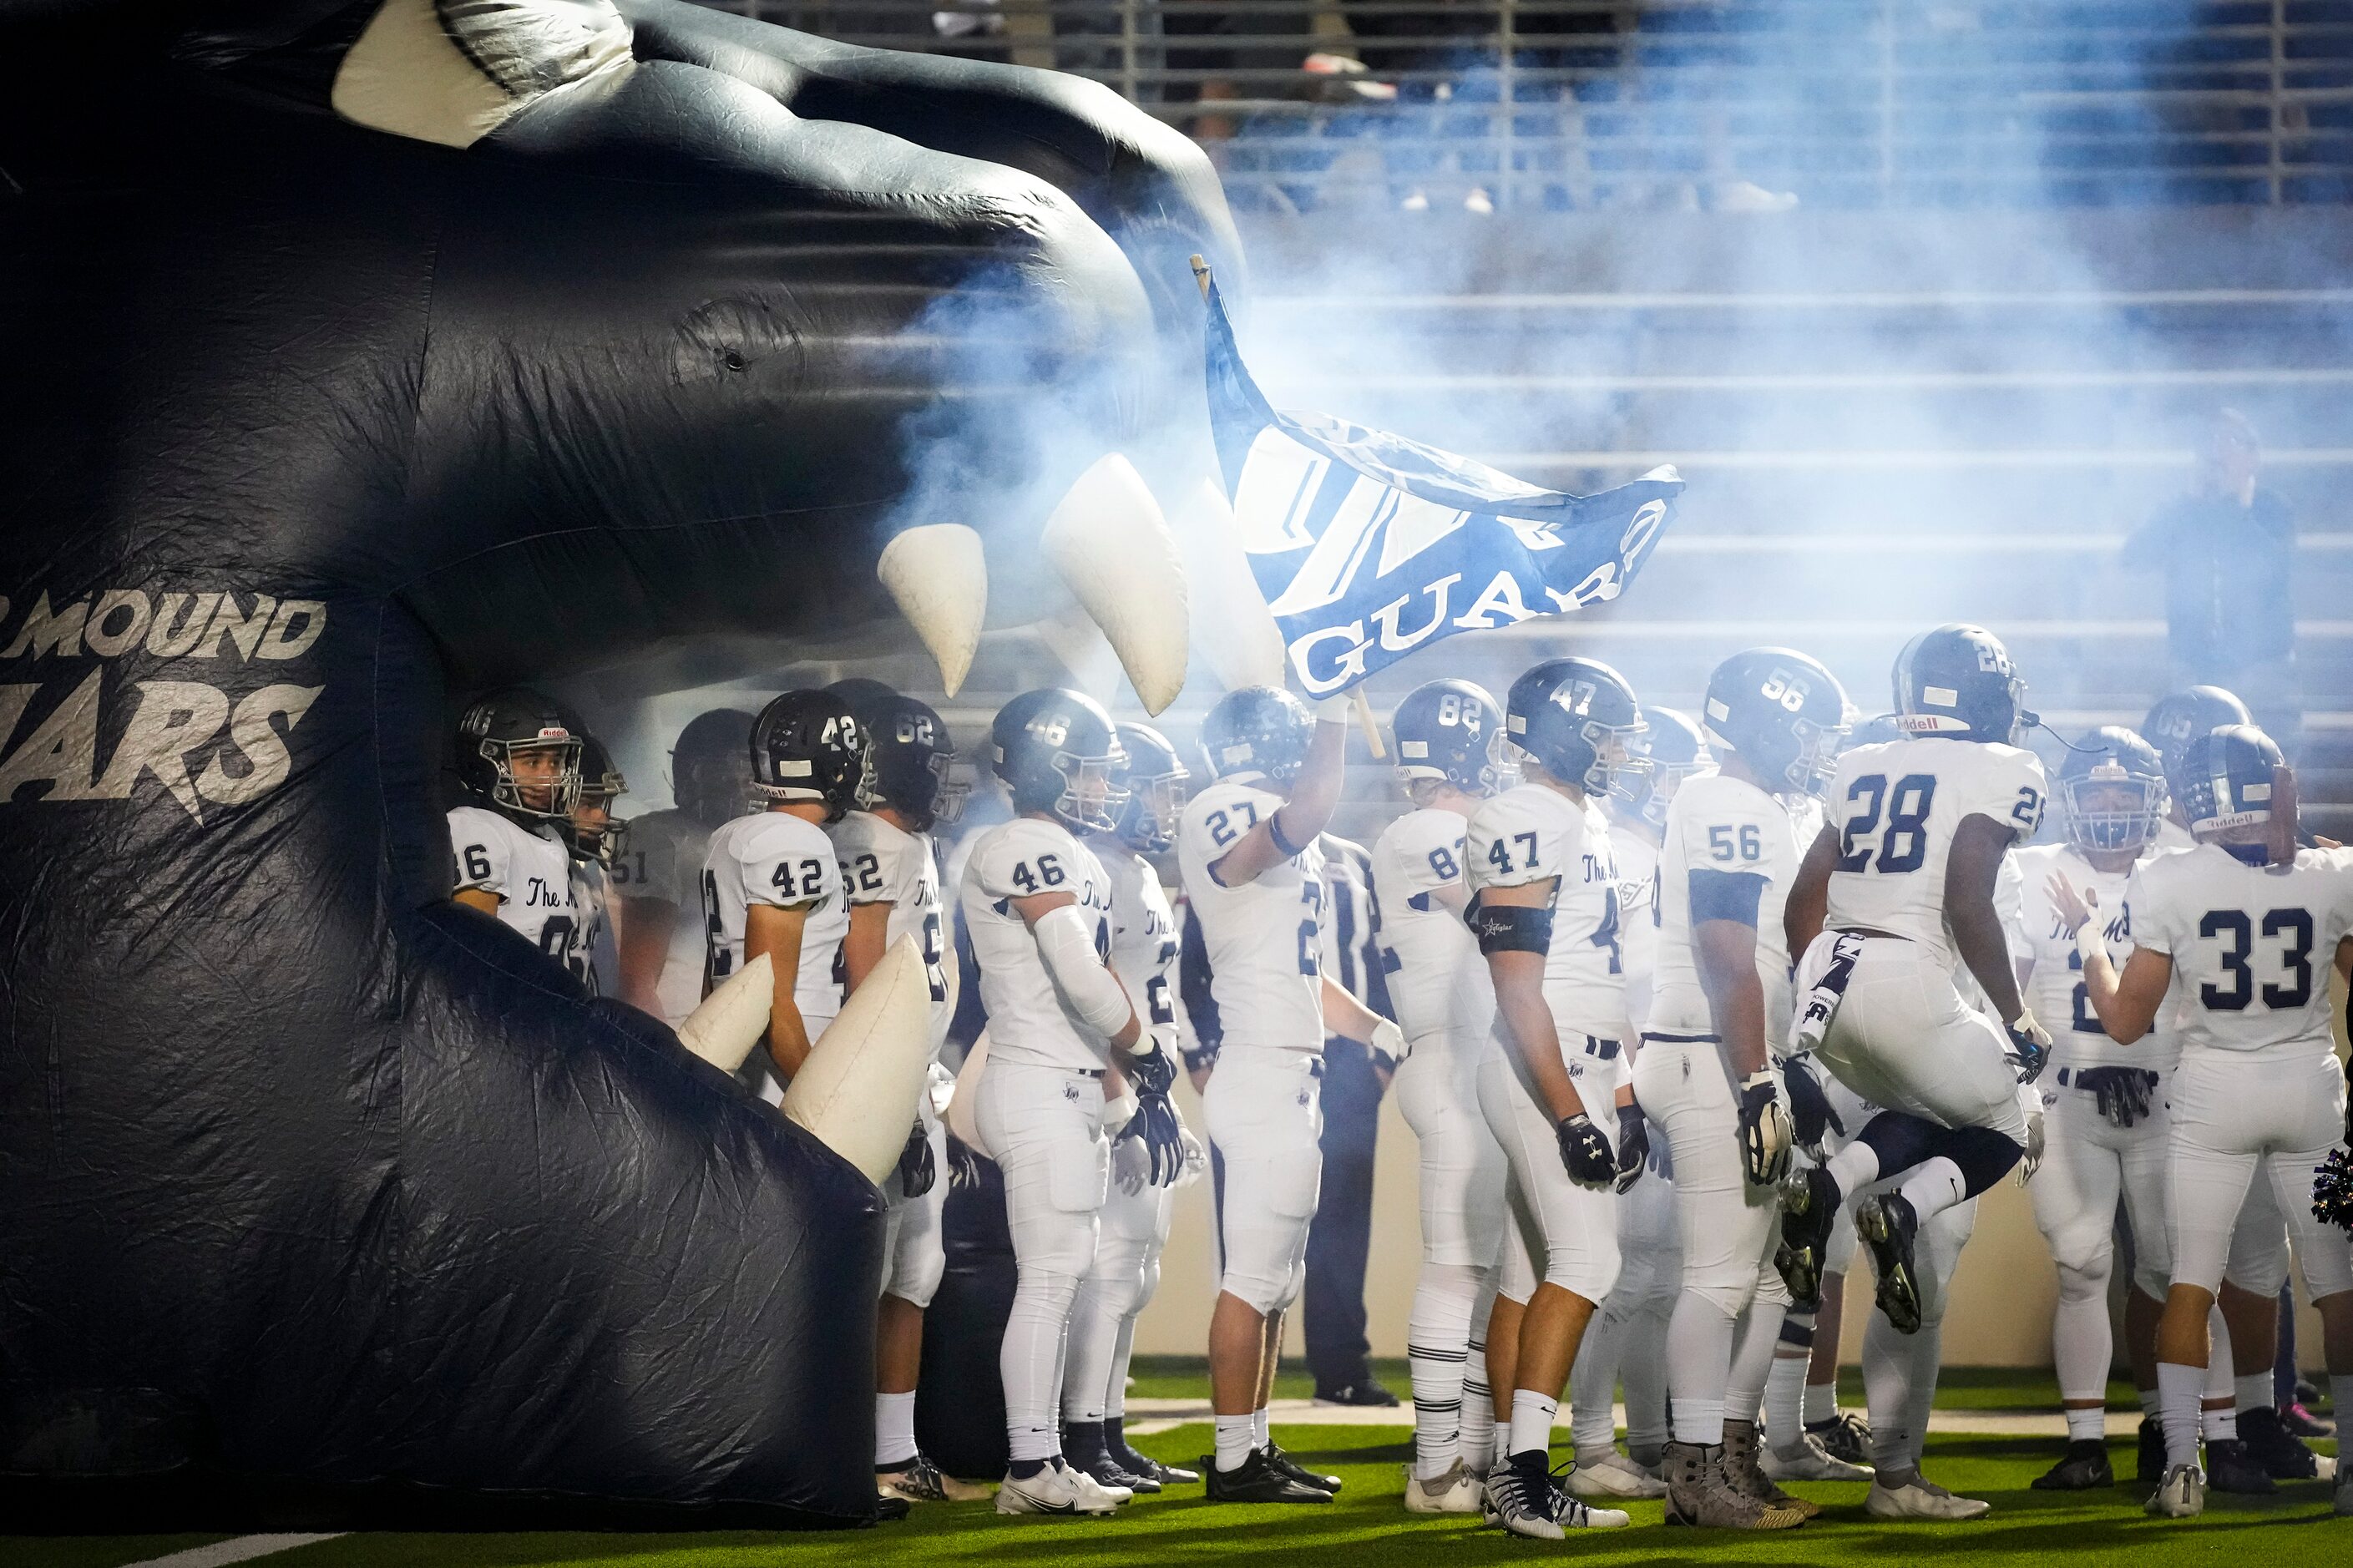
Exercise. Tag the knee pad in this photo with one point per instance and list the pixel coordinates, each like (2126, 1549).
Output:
(1150, 1286)
(1049, 1291)
(2086, 1248)
(1729, 1296)
(2079, 1283)
(1589, 1272)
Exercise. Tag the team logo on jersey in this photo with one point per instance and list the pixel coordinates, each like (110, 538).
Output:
(205, 745)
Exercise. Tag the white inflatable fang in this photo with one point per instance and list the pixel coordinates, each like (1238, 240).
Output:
(730, 1023)
(1109, 543)
(858, 1089)
(938, 576)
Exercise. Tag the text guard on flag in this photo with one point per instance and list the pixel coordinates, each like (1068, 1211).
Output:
(1369, 546)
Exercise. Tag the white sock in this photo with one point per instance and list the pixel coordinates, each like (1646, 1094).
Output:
(1593, 1383)
(2220, 1426)
(1853, 1168)
(1927, 1362)
(1261, 1431)
(1821, 1401)
(1532, 1419)
(1934, 1186)
(1237, 1438)
(1438, 1338)
(894, 1429)
(2176, 1394)
(1887, 1395)
(1642, 1373)
(1115, 1386)
(2254, 1391)
(1785, 1402)
(1752, 1360)
(1478, 1413)
(2083, 1343)
(2086, 1426)
(1699, 1347)
(2148, 1403)
(1030, 1361)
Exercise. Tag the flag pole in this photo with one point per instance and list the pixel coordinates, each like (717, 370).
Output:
(1363, 708)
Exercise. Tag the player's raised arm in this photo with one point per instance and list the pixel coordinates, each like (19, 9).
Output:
(1269, 717)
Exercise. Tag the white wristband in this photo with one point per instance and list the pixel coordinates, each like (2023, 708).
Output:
(2090, 940)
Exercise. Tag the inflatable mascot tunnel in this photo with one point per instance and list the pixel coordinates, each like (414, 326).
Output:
(360, 356)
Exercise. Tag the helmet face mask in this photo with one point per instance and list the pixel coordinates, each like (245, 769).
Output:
(2110, 811)
(518, 752)
(536, 778)
(596, 834)
(1059, 753)
(1577, 719)
(1668, 751)
(1154, 778)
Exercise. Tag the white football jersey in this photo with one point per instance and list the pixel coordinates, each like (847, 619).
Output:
(1028, 1022)
(1896, 807)
(1534, 833)
(2252, 946)
(1637, 914)
(2055, 992)
(1265, 938)
(1427, 949)
(1717, 823)
(883, 864)
(593, 957)
(777, 859)
(663, 859)
(1143, 938)
(529, 868)
(2171, 834)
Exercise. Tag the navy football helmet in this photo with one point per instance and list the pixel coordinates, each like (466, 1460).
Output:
(2182, 717)
(1783, 711)
(709, 765)
(1153, 780)
(1448, 730)
(1057, 752)
(2226, 779)
(1261, 731)
(1565, 712)
(806, 746)
(1668, 751)
(600, 784)
(2106, 765)
(910, 756)
(1957, 682)
(497, 732)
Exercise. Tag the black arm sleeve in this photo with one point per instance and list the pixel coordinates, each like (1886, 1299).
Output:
(1725, 896)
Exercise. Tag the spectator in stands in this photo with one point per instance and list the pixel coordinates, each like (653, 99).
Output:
(2226, 550)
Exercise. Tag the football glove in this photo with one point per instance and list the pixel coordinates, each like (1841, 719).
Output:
(1157, 1126)
(1153, 1067)
(2123, 1093)
(2032, 1161)
(1766, 1136)
(1585, 1152)
(964, 1163)
(2030, 1047)
(1196, 1158)
(1633, 1145)
(916, 1172)
(2332, 1190)
(1812, 1118)
(1388, 1045)
(1131, 1164)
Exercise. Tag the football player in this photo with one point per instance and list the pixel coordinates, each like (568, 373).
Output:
(2239, 941)
(1704, 1074)
(1895, 898)
(1138, 1209)
(658, 879)
(595, 837)
(519, 762)
(2107, 1126)
(889, 875)
(2246, 1446)
(1545, 910)
(1253, 877)
(1447, 737)
(770, 881)
(1627, 1339)
(1037, 908)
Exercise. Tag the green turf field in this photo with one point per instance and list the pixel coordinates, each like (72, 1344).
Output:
(1366, 1527)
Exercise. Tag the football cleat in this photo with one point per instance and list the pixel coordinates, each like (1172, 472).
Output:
(2230, 1468)
(1366, 1394)
(1113, 1476)
(1453, 1489)
(1845, 1435)
(1140, 1464)
(2182, 1495)
(1885, 1223)
(1297, 1471)
(2268, 1443)
(1614, 1476)
(1742, 1468)
(1055, 1490)
(1257, 1480)
(1699, 1493)
(2301, 1422)
(2083, 1468)
(1810, 1460)
(1921, 1498)
(920, 1480)
(1810, 1204)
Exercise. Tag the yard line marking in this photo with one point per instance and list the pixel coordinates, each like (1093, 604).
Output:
(237, 1549)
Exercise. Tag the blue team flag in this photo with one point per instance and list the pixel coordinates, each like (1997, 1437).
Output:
(1369, 546)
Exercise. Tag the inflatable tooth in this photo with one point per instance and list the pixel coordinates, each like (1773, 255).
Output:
(858, 1091)
(1109, 543)
(730, 1023)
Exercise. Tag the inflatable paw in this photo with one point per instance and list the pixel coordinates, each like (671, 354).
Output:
(362, 355)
